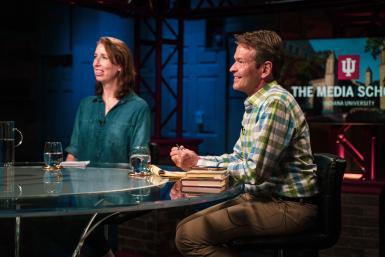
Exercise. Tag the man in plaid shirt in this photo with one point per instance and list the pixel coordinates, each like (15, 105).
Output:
(272, 157)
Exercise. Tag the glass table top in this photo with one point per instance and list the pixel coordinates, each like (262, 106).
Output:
(29, 191)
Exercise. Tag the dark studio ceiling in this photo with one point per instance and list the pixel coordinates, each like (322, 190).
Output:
(336, 18)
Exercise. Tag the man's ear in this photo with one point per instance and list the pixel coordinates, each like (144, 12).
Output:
(267, 70)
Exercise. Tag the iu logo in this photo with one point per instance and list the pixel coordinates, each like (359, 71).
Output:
(348, 67)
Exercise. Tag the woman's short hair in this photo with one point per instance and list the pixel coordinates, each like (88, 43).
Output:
(268, 45)
(119, 54)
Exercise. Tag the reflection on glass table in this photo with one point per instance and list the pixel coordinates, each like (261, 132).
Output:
(102, 189)
(108, 190)
(53, 181)
(72, 191)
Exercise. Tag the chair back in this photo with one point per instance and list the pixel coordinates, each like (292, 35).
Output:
(325, 233)
(330, 171)
(154, 151)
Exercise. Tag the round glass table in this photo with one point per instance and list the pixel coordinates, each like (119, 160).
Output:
(108, 190)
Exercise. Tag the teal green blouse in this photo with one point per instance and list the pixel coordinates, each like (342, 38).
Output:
(102, 138)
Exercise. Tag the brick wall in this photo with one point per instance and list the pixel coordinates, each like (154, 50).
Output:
(362, 233)
(152, 235)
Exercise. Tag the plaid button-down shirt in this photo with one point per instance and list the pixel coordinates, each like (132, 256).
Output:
(273, 153)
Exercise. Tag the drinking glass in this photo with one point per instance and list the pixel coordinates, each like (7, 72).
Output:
(140, 159)
(53, 155)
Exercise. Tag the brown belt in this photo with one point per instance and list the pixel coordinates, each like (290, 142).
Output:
(307, 200)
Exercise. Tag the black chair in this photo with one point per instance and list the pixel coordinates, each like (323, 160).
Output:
(328, 227)
(154, 150)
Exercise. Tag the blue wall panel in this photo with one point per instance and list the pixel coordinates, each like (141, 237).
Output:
(203, 90)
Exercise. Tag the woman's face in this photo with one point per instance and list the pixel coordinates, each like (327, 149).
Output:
(105, 71)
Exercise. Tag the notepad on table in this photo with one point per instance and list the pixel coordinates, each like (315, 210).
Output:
(165, 173)
(75, 164)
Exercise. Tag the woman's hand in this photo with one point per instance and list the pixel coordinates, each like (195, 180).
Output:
(70, 157)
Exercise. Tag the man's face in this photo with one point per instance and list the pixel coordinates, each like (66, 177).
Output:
(246, 75)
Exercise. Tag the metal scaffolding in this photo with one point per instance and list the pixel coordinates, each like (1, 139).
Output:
(367, 15)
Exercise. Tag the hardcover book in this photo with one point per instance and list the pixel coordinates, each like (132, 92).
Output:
(211, 178)
(196, 190)
(205, 181)
(207, 172)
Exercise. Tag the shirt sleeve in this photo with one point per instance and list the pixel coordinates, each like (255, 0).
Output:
(257, 152)
(141, 130)
(73, 146)
(224, 160)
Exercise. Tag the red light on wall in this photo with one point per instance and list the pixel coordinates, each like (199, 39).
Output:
(353, 176)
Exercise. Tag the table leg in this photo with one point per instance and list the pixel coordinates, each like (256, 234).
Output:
(17, 226)
(87, 231)
(17, 236)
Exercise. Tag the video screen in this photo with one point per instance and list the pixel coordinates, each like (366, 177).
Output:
(337, 80)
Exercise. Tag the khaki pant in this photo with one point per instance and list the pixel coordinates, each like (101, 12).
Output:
(206, 232)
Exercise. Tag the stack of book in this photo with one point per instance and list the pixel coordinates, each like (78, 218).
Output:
(205, 180)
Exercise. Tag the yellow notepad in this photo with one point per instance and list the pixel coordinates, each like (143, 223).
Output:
(165, 173)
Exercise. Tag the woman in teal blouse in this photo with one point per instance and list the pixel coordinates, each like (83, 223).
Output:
(111, 123)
